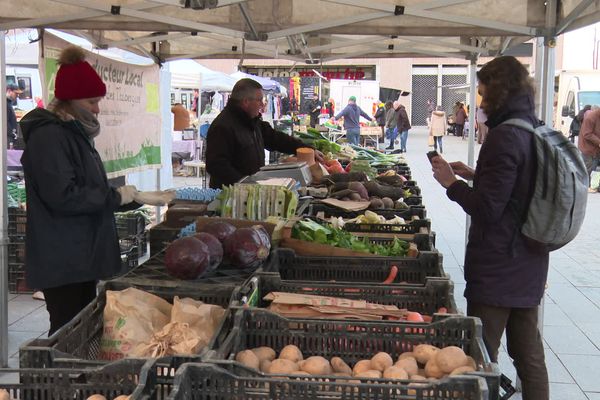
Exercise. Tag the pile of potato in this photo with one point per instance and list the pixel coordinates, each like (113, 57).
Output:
(424, 362)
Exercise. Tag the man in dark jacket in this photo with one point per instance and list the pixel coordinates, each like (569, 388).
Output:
(237, 138)
(314, 110)
(505, 273)
(12, 91)
(352, 113)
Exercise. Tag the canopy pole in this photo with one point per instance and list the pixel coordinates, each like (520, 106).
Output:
(3, 213)
(471, 137)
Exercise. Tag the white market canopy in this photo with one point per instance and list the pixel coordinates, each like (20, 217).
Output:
(191, 75)
(304, 30)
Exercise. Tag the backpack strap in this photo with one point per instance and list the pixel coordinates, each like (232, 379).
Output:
(516, 209)
(520, 123)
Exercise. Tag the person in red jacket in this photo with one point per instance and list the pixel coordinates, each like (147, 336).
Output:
(505, 273)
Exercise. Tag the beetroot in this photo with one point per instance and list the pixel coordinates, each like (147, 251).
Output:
(247, 247)
(219, 229)
(187, 258)
(215, 249)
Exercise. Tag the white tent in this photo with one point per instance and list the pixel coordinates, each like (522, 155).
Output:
(191, 75)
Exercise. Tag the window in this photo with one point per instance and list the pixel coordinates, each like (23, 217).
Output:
(571, 103)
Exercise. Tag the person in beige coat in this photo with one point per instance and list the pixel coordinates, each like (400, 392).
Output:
(437, 127)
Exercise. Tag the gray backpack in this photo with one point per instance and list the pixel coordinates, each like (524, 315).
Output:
(557, 206)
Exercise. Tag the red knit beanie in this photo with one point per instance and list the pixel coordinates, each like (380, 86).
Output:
(76, 78)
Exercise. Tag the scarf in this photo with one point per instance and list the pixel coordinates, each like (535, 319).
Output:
(89, 122)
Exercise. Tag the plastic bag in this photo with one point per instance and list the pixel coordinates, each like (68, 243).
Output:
(595, 180)
(430, 141)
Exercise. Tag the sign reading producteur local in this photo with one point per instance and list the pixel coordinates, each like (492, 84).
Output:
(129, 113)
(353, 72)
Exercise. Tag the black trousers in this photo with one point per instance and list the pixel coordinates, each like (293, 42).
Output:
(523, 341)
(64, 302)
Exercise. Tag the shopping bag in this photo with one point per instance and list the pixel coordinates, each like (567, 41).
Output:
(430, 141)
(595, 181)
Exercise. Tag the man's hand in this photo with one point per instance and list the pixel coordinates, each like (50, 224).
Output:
(319, 157)
(442, 172)
(462, 170)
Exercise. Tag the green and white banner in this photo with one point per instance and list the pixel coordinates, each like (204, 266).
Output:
(129, 139)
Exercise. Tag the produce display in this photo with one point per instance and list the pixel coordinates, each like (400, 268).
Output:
(312, 231)
(257, 202)
(345, 301)
(424, 362)
(193, 255)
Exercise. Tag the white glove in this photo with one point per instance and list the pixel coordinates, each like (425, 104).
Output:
(127, 193)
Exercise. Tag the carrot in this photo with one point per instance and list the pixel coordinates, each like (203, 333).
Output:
(392, 276)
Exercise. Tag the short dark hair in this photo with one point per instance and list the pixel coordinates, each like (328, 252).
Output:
(245, 89)
(504, 78)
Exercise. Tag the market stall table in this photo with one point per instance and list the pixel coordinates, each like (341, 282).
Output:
(370, 133)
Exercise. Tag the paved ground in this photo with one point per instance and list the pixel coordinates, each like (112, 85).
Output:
(572, 303)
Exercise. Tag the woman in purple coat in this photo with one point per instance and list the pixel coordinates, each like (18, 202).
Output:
(505, 273)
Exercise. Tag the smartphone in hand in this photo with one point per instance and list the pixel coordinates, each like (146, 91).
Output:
(431, 154)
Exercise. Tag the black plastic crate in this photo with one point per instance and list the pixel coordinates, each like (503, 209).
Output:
(16, 252)
(16, 279)
(413, 201)
(157, 379)
(231, 381)
(426, 299)
(352, 269)
(410, 228)
(129, 224)
(17, 223)
(351, 340)
(154, 270)
(112, 380)
(77, 344)
(137, 244)
(331, 211)
(161, 235)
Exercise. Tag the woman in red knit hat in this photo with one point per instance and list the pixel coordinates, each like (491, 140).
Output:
(71, 239)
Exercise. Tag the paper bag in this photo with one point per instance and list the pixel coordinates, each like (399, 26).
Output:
(430, 141)
(193, 324)
(131, 316)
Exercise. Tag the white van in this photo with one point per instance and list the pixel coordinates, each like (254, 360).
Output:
(576, 89)
(28, 80)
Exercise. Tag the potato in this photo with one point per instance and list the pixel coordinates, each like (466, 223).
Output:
(371, 373)
(96, 397)
(421, 371)
(292, 353)
(4, 395)
(264, 353)
(283, 366)
(395, 373)
(339, 365)
(248, 358)
(408, 354)
(432, 370)
(361, 366)
(424, 352)
(449, 358)
(122, 397)
(265, 365)
(343, 373)
(408, 364)
(471, 362)
(381, 361)
(317, 365)
(418, 378)
(300, 373)
(462, 370)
